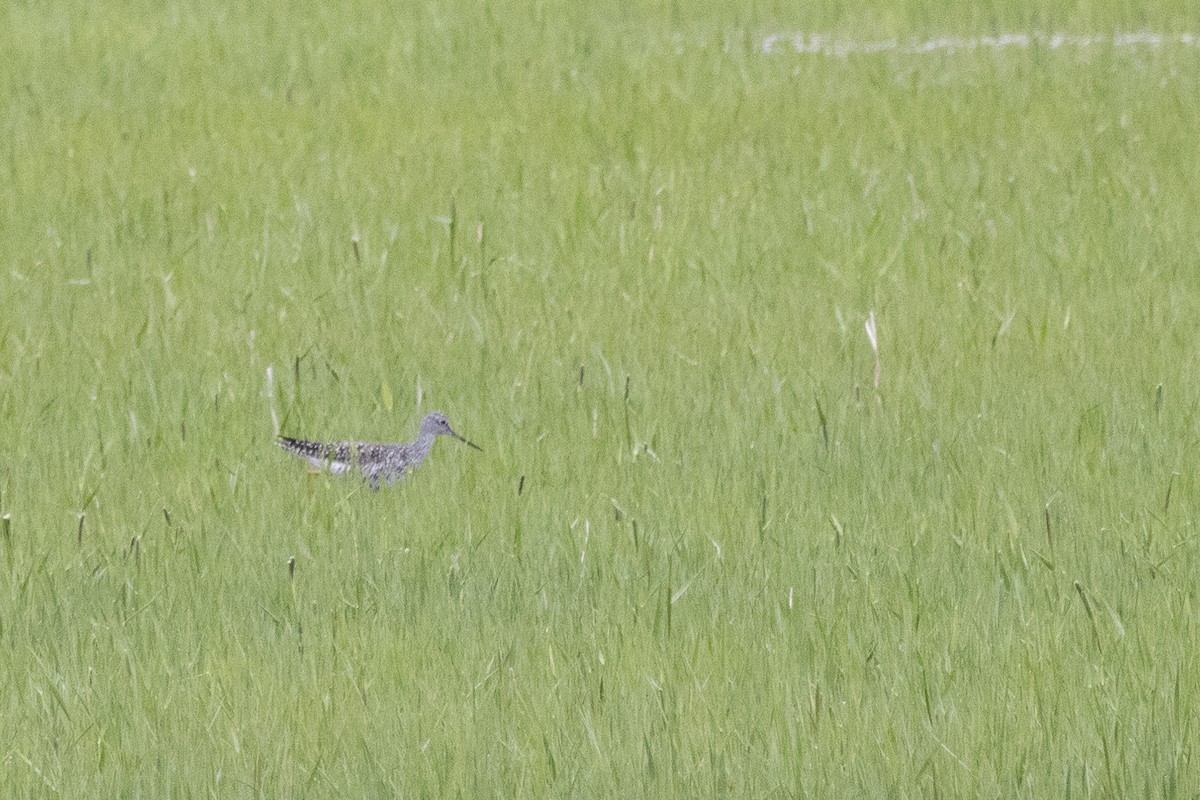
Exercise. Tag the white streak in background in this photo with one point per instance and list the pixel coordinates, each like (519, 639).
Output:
(271, 397)
(874, 339)
(821, 44)
(587, 535)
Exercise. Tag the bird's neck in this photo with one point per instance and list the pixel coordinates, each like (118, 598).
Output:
(425, 443)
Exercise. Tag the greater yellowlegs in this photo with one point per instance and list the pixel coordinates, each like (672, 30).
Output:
(378, 462)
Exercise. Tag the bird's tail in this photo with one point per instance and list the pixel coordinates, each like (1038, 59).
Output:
(305, 448)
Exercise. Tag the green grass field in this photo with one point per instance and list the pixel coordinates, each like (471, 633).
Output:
(632, 256)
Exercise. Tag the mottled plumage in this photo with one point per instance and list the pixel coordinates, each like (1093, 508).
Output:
(379, 463)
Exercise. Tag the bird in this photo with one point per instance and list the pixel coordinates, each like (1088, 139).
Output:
(379, 462)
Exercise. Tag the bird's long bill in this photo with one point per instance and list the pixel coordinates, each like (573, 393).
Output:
(468, 443)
